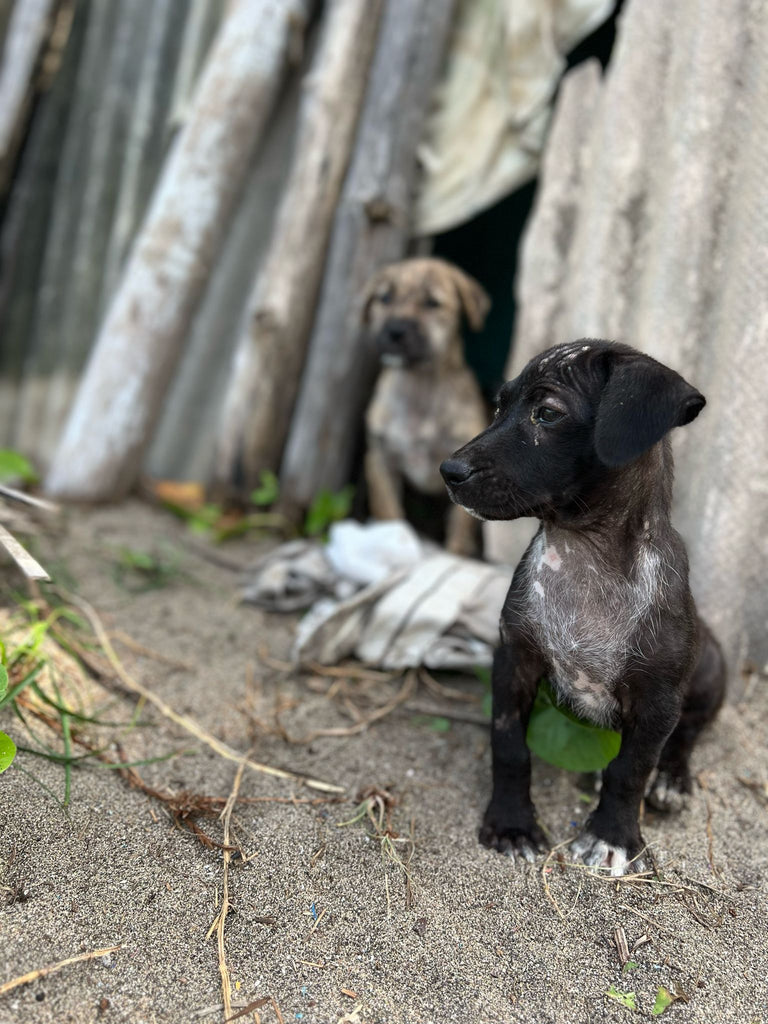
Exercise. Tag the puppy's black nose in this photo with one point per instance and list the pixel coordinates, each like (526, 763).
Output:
(455, 472)
(396, 330)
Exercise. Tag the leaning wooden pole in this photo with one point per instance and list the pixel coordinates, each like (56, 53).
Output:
(28, 32)
(142, 337)
(371, 227)
(270, 352)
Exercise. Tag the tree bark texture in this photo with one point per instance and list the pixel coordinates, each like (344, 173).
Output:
(270, 351)
(371, 227)
(141, 339)
(651, 227)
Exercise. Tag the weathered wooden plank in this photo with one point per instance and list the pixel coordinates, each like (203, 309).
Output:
(371, 227)
(25, 39)
(270, 352)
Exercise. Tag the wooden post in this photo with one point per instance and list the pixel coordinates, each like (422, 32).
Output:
(371, 227)
(141, 339)
(267, 363)
(28, 31)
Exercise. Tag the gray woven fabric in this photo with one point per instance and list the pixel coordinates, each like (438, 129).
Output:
(651, 227)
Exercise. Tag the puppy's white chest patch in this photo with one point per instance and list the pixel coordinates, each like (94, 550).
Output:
(584, 617)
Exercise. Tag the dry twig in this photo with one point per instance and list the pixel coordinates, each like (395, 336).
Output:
(43, 972)
(226, 817)
(185, 721)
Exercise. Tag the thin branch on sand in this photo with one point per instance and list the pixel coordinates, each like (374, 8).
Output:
(226, 817)
(185, 721)
(43, 972)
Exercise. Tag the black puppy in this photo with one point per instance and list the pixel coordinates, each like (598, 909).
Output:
(600, 602)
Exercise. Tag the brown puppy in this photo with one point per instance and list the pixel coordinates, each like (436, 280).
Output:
(427, 402)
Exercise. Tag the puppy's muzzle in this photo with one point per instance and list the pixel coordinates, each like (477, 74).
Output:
(401, 342)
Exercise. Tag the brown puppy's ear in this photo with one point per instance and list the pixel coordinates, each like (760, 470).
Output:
(474, 298)
(641, 402)
(374, 285)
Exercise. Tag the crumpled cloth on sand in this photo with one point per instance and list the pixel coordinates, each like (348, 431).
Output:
(379, 593)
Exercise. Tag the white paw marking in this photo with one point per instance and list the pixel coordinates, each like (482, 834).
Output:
(596, 853)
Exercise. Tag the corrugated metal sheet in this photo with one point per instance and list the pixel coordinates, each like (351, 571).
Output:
(651, 227)
(96, 143)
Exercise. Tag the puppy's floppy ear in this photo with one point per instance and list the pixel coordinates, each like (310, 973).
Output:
(641, 402)
(474, 298)
(375, 283)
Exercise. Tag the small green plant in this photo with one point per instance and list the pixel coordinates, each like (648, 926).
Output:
(268, 491)
(36, 670)
(557, 735)
(7, 746)
(138, 570)
(14, 466)
(327, 507)
(211, 519)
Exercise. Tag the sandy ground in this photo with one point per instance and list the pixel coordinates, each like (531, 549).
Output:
(320, 917)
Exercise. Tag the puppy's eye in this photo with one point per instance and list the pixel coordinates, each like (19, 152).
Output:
(545, 414)
(430, 302)
(386, 296)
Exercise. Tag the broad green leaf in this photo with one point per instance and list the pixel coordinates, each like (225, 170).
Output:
(664, 998)
(557, 736)
(630, 965)
(13, 466)
(627, 999)
(3, 681)
(7, 751)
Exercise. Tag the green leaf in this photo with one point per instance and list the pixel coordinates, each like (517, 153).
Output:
(268, 490)
(664, 998)
(439, 724)
(3, 681)
(7, 751)
(627, 999)
(327, 508)
(557, 736)
(13, 466)
(630, 965)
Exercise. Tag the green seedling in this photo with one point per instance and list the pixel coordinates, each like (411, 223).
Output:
(435, 723)
(136, 570)
(628, 999)
(14, 466)
(327, 508)
(268, 491)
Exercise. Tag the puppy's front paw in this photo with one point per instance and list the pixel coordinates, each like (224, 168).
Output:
(512, 840)
(668, 792)
(597, 853)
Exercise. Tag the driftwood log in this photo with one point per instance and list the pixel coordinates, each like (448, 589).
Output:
(146, 325)
(651, 227)
(371, 227)
(270, 351)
